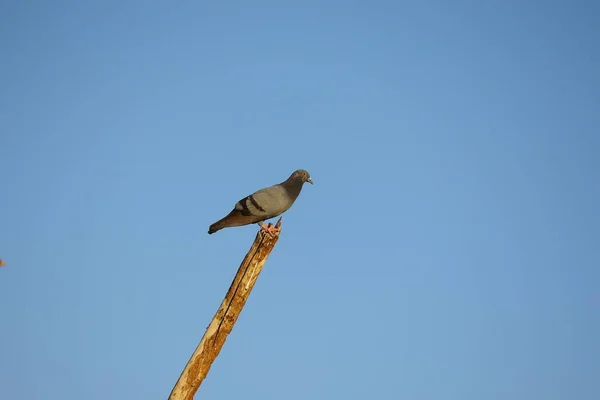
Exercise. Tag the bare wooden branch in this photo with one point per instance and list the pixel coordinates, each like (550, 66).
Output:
(222, 323)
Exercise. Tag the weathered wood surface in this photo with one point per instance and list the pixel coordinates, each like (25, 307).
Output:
(222, 323)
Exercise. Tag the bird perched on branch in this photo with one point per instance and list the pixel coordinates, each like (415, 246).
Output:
(264, 204)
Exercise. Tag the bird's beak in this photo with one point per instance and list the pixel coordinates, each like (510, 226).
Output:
(309, 180)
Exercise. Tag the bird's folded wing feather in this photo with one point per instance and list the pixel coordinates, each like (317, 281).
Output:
(266, 202)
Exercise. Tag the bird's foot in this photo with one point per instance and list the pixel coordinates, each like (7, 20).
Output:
(270, 229)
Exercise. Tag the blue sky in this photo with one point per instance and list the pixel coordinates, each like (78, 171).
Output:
(449, 248)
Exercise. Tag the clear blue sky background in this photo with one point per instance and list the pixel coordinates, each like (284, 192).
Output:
(449, 248)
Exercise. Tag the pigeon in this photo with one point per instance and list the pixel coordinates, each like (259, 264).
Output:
(264, 204)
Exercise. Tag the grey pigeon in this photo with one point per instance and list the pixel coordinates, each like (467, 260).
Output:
(264, 204)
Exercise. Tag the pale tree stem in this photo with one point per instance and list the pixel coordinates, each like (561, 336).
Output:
(222, 323)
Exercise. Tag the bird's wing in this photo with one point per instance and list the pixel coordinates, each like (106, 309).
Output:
(268, 202)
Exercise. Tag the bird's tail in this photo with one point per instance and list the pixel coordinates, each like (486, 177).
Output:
(217, 226)
(234, 218)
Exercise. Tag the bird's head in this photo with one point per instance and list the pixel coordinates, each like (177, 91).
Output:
(303, 175)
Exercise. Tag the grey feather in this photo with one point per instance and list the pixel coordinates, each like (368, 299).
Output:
(266, 203)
